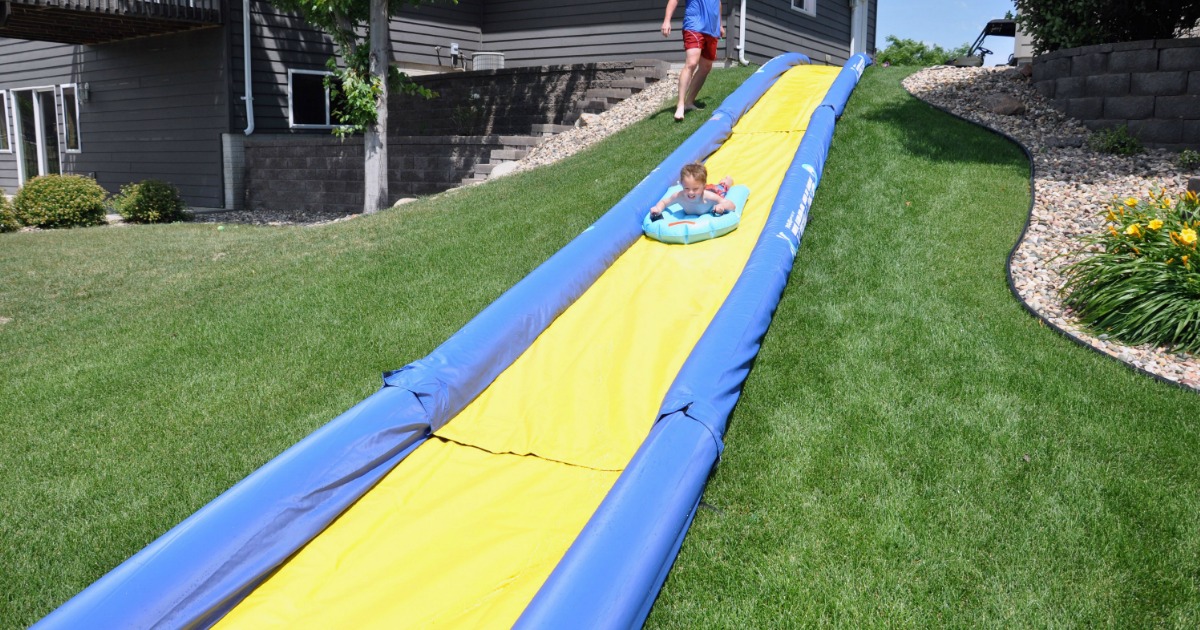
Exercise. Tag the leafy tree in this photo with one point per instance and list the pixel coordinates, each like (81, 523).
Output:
(910, 52)
(362, 83)
(1054, 24)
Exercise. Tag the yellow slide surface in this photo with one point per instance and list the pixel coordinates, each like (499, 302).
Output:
(465, 530)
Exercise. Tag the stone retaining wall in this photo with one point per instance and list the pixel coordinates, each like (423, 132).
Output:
(1151, 86)
(503, 102)
(326, 173)
(434, 143)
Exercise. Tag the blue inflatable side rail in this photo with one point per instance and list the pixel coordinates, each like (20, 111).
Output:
(193, 574)
(611, 575)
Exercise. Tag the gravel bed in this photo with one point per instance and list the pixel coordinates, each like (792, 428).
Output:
(1072, 188)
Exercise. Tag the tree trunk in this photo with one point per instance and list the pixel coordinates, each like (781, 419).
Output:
(375, 139)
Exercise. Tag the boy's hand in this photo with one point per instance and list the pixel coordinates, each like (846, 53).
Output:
(666, 28)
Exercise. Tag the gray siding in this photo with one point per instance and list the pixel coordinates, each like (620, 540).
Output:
(281, 41)
(772, 28)
(417, 30)
(278, 42)
(157, 109)
(579, 31)
(871, 35)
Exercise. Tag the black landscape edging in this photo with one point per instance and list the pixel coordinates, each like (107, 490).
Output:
(1012, 287)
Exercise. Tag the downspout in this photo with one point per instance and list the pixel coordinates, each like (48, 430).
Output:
(249, 85)
(858, 26)
(741, 47)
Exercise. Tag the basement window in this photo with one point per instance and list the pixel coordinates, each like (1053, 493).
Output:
(308, 100)
(5, 128)
(807, 7)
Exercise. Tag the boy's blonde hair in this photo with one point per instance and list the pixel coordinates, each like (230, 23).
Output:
(695, 172)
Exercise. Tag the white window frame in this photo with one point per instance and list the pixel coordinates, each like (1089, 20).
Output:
(6, 121)
(62, 94)
(291, 110)
(39, 126)
(807, 7)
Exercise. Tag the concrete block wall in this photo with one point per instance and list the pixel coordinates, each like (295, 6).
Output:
(508, 101)
(433, 144)
(1151, 86)
(326, 173)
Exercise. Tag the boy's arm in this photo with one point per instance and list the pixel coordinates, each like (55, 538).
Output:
(720, 18)
(666, 25)
(722, 203)
(664, 202)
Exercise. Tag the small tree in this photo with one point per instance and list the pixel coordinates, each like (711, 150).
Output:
(910, 52)
(359, 28)
(1054, 24)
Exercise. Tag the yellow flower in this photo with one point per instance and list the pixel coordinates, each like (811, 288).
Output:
(1184, 261)
(1131, 202)
(1133, 230)
(1191, 196)
(1111, 217)
(1188, 236)
(1169, 261)
(1155, 224)
(1112, 230)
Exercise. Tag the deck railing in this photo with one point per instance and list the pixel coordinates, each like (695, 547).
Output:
(100, 21)
(200, 10)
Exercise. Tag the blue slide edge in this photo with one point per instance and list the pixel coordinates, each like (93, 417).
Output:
(611, 575)
(197, 571)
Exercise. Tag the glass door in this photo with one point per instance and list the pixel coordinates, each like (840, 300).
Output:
(37, 133)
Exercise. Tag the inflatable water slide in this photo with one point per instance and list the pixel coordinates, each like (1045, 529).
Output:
(541, 467)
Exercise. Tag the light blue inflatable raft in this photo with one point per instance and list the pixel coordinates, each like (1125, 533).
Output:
(676, 226)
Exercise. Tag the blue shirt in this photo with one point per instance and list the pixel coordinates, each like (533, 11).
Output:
(703, 16)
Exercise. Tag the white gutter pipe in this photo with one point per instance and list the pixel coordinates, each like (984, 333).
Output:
(249, 86)
(741, 47)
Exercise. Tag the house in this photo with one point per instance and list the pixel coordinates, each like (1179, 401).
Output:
(125, 90)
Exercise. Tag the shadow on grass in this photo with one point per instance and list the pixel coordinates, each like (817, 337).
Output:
(929, 134)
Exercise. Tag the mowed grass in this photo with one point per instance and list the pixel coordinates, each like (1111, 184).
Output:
(911, 448)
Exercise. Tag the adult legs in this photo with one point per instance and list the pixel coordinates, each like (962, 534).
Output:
(697, 81)
(691, 66)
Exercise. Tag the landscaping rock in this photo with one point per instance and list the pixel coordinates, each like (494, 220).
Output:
(1072, 188)
(1004, 105)
(506, 168)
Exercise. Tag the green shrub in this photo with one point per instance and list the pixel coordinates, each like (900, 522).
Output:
(1188, 159)
(1143, 286)
(1116, 141)
(1054, 24)
(54, 201)
(8, 218)
(151, 201)
(910, 52)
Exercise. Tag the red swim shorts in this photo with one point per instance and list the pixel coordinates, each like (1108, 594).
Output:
(721, 189)
(706, 43)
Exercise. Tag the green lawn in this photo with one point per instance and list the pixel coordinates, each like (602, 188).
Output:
(912, 448)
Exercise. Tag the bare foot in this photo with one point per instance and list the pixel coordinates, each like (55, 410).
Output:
(679, 115)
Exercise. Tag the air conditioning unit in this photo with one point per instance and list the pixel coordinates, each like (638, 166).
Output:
(487, 61)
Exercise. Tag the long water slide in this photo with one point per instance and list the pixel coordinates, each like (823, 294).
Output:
(541, 467)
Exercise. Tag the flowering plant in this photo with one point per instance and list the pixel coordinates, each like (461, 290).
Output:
(1140, 280)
